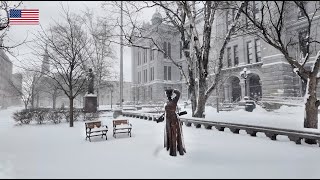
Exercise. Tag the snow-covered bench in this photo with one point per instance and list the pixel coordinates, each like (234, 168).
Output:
(121, 126)
(95, 128)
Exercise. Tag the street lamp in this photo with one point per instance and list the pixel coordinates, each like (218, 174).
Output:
(111, 91)
(244, 75)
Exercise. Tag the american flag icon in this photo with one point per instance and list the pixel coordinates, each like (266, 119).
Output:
(24, 17)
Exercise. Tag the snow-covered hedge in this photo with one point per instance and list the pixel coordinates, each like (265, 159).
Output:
(44, 115)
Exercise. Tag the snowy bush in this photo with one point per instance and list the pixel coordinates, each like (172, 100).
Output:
(77, 114)
(24, 117)
(40, 115)
(55, 116)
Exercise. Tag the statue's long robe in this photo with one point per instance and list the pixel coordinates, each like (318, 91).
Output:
(173, 139)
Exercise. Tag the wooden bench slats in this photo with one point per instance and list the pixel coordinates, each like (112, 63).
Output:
(121, 126)
(95, 128)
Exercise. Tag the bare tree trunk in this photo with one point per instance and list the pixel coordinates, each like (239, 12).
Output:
(201, 98)
(192, 93)
(25, 105)
(38, 100)
(311, 107)
(32, 98)
(98, 97)
(54, 99)
(71, 112)
(217, 99)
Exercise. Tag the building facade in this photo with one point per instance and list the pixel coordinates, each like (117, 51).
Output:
(251, 67)
(268, 72)
(152, 70)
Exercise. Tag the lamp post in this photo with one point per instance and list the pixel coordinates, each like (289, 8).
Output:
(244, 75)
(111, 97)
(111, 91)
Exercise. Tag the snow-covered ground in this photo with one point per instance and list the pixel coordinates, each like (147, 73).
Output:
(58, 151)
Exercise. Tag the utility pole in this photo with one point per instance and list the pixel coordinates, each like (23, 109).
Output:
(121, 57)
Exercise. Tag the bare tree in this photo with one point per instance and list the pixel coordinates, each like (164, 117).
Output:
(27, 90)
(184, 16)
(101, 55)
(51, 88)
(273, 25)
(65, 43)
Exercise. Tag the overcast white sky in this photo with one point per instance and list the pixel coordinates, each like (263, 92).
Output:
(49, 10)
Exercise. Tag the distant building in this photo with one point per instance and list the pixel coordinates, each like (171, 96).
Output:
(16, 90)
(8, 95)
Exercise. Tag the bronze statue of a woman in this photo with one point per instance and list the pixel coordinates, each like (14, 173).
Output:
(173, 140)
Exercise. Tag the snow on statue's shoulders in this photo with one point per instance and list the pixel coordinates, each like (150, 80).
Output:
(90, 95)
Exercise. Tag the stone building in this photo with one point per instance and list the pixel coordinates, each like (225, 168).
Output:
(267, 72)
(153, 71)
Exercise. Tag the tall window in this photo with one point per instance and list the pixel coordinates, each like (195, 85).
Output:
(145, 55)
(229, 56)
(167, 49)
(258, 50)
(167, 73)
(139, 77)
(150, 93)
(236, 55)
(249, 52)
(145, 75)
(152, 74)
(139, 57)
(151, 54)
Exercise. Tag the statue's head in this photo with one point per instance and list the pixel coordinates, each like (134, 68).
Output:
(169, 93)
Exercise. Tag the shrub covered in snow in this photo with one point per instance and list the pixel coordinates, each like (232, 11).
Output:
(40, 115)
(24, 117)
(43, 115)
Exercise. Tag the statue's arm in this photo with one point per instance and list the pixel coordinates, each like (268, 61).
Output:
(176, 98)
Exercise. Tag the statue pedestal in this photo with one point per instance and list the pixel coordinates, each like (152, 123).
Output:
(90, 103)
